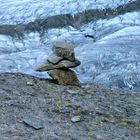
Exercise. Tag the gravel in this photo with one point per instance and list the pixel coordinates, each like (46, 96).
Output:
(105, 114)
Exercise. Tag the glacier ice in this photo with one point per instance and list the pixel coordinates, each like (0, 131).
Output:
(108, 48)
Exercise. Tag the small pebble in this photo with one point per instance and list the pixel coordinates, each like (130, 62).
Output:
(76, 119)
(29, 82)
(72, 91)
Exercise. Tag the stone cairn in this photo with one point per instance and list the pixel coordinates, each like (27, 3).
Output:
(59, 63)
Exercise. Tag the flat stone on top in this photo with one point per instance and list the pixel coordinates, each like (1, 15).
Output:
(63, 49)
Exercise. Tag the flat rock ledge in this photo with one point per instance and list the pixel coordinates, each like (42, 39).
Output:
(64, 64)
(59, 112)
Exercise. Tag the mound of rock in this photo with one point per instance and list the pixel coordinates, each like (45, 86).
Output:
(59, 63)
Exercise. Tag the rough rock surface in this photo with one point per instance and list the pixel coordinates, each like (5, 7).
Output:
(104, 114)
(54, 59)
(64, 77)
(63, 49)
(64, 64)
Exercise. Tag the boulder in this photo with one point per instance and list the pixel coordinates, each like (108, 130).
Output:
(64, 77)
(64, 50)
(64, 64)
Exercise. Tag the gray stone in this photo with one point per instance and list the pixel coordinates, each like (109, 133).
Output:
(33, 122)
(64, 64)
(54, 59)
(76, 119)
(63, 49)
(64, 77)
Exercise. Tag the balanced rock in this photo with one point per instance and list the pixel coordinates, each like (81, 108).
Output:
(63, 64)
(64, 77)
(64, 50)
(59, 63)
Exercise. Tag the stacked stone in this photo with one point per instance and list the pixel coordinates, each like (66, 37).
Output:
(59, 63)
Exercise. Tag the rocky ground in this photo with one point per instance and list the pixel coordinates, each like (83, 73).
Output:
(37, 109)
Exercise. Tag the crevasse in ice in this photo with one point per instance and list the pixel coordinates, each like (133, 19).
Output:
(106, 35)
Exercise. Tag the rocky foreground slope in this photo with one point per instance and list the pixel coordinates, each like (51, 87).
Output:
(36, 109)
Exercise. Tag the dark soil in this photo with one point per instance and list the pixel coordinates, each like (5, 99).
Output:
(103, 114)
